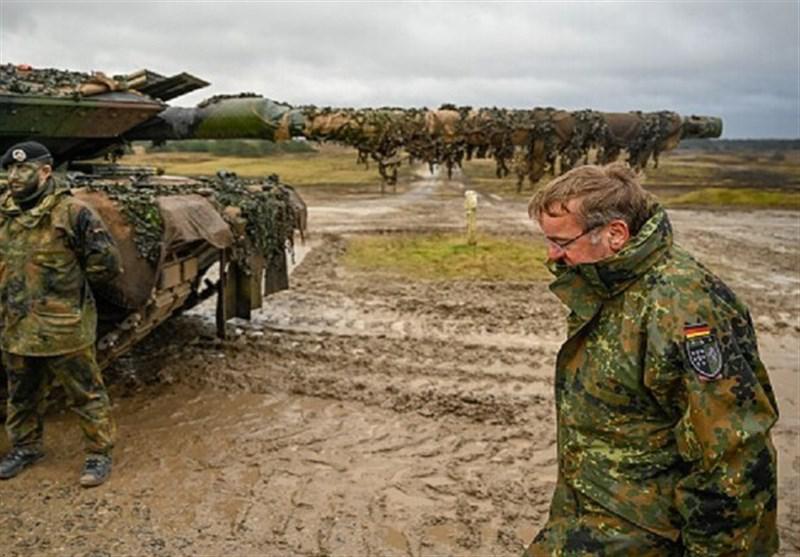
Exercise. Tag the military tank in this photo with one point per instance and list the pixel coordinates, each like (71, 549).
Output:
(172, 231)
(181, 239)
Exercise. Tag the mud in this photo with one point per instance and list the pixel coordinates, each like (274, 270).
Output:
(368, 415)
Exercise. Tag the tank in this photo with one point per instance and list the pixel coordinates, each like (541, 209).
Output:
(181, 240)
(172, 231)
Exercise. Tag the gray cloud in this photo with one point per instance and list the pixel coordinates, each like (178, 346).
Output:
(736, 60)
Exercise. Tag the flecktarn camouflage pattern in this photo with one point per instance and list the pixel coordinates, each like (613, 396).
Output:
(664, 411)
(47, 255)
(79, 375)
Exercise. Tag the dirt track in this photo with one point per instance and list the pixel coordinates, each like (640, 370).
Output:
(364, 415)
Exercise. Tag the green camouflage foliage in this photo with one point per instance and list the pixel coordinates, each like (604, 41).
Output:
(52, 82)
(268, 211)
(642, 436)
(266, 207)
(46, 81)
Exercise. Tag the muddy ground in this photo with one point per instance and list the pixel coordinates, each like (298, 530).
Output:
(368, 415)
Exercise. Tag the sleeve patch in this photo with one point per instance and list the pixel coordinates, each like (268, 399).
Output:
(703, 351)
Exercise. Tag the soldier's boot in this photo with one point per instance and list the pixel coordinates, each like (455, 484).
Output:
(16, 460)
(96, 470)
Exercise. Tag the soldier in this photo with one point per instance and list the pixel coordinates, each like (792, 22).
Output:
(51, 247)
(664, 407)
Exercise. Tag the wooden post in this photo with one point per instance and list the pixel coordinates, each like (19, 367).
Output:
(471, 208)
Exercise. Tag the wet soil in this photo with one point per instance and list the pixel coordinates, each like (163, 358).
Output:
(363, 414)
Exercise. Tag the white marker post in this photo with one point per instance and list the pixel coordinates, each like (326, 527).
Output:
(471, 208)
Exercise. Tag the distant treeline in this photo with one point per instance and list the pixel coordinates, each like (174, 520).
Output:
(734, 145)
(231, 147)
(259, 147)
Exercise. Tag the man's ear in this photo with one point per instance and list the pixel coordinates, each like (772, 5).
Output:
(618, 234)
(45, 171)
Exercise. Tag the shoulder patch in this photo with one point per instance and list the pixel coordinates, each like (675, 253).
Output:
(702, 351)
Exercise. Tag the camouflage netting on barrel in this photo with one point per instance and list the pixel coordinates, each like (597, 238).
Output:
(527, 142)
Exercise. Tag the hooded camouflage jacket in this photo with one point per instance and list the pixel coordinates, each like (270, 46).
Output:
(664, 407)
(47, 255)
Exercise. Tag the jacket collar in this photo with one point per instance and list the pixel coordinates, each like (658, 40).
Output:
(587, 284)
(30, 218)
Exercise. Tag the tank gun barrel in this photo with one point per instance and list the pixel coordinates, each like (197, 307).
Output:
(250, 116)
(531, 141)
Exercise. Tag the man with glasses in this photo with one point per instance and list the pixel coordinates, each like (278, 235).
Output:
(664, 407)
(51, 247)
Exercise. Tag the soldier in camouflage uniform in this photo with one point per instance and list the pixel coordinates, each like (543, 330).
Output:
(51, 247)
(664, 408)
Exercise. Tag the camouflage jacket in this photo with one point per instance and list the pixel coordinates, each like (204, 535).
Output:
(48, 254)
(663, 405)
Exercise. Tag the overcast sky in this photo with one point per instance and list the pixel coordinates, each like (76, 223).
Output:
(736, 60)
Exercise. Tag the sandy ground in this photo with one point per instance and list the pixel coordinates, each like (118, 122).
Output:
(364, 415)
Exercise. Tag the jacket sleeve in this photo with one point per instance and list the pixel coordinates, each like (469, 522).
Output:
(93, 245)
(719, 394)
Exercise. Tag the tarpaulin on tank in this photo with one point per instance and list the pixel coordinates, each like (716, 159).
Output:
(188, 218)
(185, 218)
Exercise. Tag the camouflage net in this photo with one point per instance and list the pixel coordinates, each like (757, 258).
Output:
(266, 208)
(528, 142)
(270, 216)
(50, 82)
(656, 126)
(47, 81)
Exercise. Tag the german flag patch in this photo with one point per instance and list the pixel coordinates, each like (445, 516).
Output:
(702, 351)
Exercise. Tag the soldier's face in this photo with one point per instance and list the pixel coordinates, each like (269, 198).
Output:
(569, 242)
(25, 178)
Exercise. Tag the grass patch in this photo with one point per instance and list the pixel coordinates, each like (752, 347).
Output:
(738, 197)
(688, 174)
(448, 257)
(302, 169)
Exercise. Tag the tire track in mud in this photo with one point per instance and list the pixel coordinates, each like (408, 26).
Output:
(386, 375)
(378, 341)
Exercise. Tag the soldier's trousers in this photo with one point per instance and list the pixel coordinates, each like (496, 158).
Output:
(579, 527)
(29, 378)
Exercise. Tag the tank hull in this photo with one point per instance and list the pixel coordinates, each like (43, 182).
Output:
(204, 249)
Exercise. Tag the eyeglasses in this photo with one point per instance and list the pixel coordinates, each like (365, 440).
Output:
(564, 245)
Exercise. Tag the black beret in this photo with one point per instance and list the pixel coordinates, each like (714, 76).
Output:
(28, 151)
